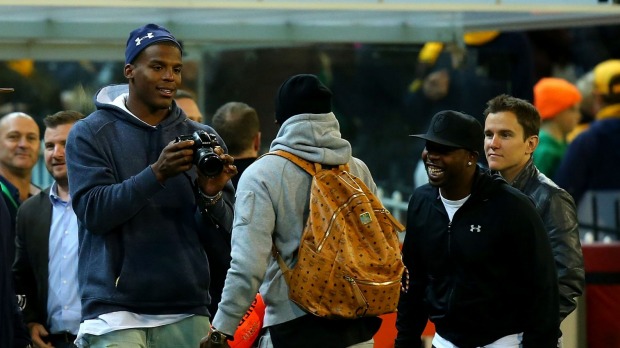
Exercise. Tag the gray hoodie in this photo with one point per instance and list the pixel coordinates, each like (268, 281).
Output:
(272, 205)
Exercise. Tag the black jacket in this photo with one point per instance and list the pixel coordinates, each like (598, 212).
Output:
(31, 261)
(558, 211)
(13, 331)
(487, 274)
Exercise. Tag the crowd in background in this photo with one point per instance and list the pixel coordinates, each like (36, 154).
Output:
(377, 95)
(381, 95)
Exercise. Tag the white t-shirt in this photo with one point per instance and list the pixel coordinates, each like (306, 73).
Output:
(122, 320)
(510, 341)
(453, 206)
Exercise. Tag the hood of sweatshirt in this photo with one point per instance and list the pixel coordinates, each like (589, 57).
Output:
(313, 137)
(113, 98)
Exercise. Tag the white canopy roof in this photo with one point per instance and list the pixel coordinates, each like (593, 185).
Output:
(97, 29)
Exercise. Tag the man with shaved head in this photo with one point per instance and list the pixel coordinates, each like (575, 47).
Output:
(19, 152)
(13, 332)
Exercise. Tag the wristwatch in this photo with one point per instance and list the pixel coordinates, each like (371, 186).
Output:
(210, 200)
(217, 337)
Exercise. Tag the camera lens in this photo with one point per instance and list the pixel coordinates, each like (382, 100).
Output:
(209, 163)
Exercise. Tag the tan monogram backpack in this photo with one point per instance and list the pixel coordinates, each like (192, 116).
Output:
(349, 262)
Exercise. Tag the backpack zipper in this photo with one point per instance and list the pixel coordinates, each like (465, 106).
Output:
(333, 218)
(367, 282)
(359, 295)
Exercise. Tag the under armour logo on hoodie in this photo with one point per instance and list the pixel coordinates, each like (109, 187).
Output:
(477, 228)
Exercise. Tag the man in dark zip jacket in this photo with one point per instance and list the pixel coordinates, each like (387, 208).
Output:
(13, 331)
(511, 136)
(478, 256)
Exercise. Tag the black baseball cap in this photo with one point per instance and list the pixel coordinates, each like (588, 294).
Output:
(455, 129)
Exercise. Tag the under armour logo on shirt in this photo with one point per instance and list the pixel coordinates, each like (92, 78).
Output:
(473, 228)
(21, 301)
(139, 39)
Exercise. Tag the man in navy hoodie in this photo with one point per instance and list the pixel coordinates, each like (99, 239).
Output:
(143, 272)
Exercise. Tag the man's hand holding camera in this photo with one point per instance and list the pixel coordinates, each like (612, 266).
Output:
(212, 185)
(214, 167)
(174, 159)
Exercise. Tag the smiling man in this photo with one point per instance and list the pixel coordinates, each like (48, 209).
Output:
(13, 332)
(19, 152)
(143, 275)
(479, 261)
(511, 136)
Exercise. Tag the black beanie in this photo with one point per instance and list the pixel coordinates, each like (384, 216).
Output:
(302, 94)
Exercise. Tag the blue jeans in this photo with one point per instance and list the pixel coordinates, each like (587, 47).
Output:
(185, 333)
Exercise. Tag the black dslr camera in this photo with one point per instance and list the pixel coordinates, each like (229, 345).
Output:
(207, 161)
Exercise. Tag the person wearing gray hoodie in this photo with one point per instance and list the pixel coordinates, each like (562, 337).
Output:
(272, 206)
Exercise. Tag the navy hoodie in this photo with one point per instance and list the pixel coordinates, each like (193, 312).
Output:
(140, 242)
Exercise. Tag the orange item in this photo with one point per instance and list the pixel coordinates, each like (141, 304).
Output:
(250, 326)
(553, 95)
(384, 338)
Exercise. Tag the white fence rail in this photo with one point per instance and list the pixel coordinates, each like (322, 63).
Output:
(599, 214)
(397, 204)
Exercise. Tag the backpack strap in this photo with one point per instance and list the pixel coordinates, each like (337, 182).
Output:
(286, 271)
(309, 167)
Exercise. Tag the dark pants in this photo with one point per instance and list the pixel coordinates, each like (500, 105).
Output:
(62, 340)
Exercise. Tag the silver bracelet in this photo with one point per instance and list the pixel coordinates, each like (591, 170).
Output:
(210, 200)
